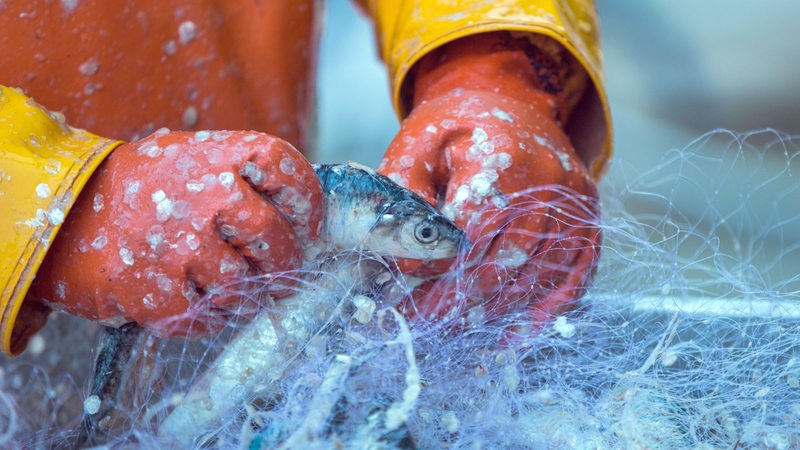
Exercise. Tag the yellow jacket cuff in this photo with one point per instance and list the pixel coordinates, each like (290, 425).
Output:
(44, 164)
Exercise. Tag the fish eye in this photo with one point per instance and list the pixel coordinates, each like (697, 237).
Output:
(426, 232)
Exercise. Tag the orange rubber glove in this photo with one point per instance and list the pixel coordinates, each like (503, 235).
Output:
(484, 141)
(177, 215)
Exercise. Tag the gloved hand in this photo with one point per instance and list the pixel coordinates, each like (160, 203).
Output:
(177, 215)
(484, 142)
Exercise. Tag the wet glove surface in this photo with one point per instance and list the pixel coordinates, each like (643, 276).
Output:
(484, 142)
(178, 215)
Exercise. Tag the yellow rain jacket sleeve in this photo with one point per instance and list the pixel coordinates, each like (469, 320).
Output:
(44, 164)
(409, 29)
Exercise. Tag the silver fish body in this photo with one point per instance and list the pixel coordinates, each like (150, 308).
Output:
(366, 210)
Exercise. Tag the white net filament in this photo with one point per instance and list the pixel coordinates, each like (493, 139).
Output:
(688, 337)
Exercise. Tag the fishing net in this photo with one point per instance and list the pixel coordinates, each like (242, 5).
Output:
(688, 338)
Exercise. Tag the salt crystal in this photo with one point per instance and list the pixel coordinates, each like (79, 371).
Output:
(69, 5)
(461, 195)
(52, 166)
(226, 179)
(253, 172)
(201, 136)
(479, 135)
(511, 377)
(155, 236)
(158, 196)
(43, 190)
(209, 180)
(152, 151)
(180, 209)
(287, 166)
(126, 255)
(365, 307)
(498, 161)
(164, 283)
(194, 186)
(450, 422)
(407, 161)
(566, 330)
(481, 184)
(164, 209)
(99, 242)
(502, 115)
(61, 289)
(512, 256)
(97, 202)
(563, 158)
(89, 67)
(55, 216)
(226, 266)
(192, 241)
(133, 187)
(170, 47)
(147, 301)
(543, 142)
(187, 32)
(431, 129)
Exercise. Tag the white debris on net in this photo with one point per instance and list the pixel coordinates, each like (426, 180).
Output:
(91, 405)
(566, 330)
(321, 406)
(256, 358)
(398, 412)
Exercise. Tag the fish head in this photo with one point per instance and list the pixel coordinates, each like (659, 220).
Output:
(412, 228)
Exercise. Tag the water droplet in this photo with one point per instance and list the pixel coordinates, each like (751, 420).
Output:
(190, 117)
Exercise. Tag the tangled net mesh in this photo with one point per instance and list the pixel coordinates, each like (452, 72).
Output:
(688, 338)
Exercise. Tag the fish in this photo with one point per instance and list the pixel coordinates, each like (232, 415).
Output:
(364, 211)
(367, 210)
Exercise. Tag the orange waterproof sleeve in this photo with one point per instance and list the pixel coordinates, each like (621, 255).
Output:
(409, 29)
(43, 166)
